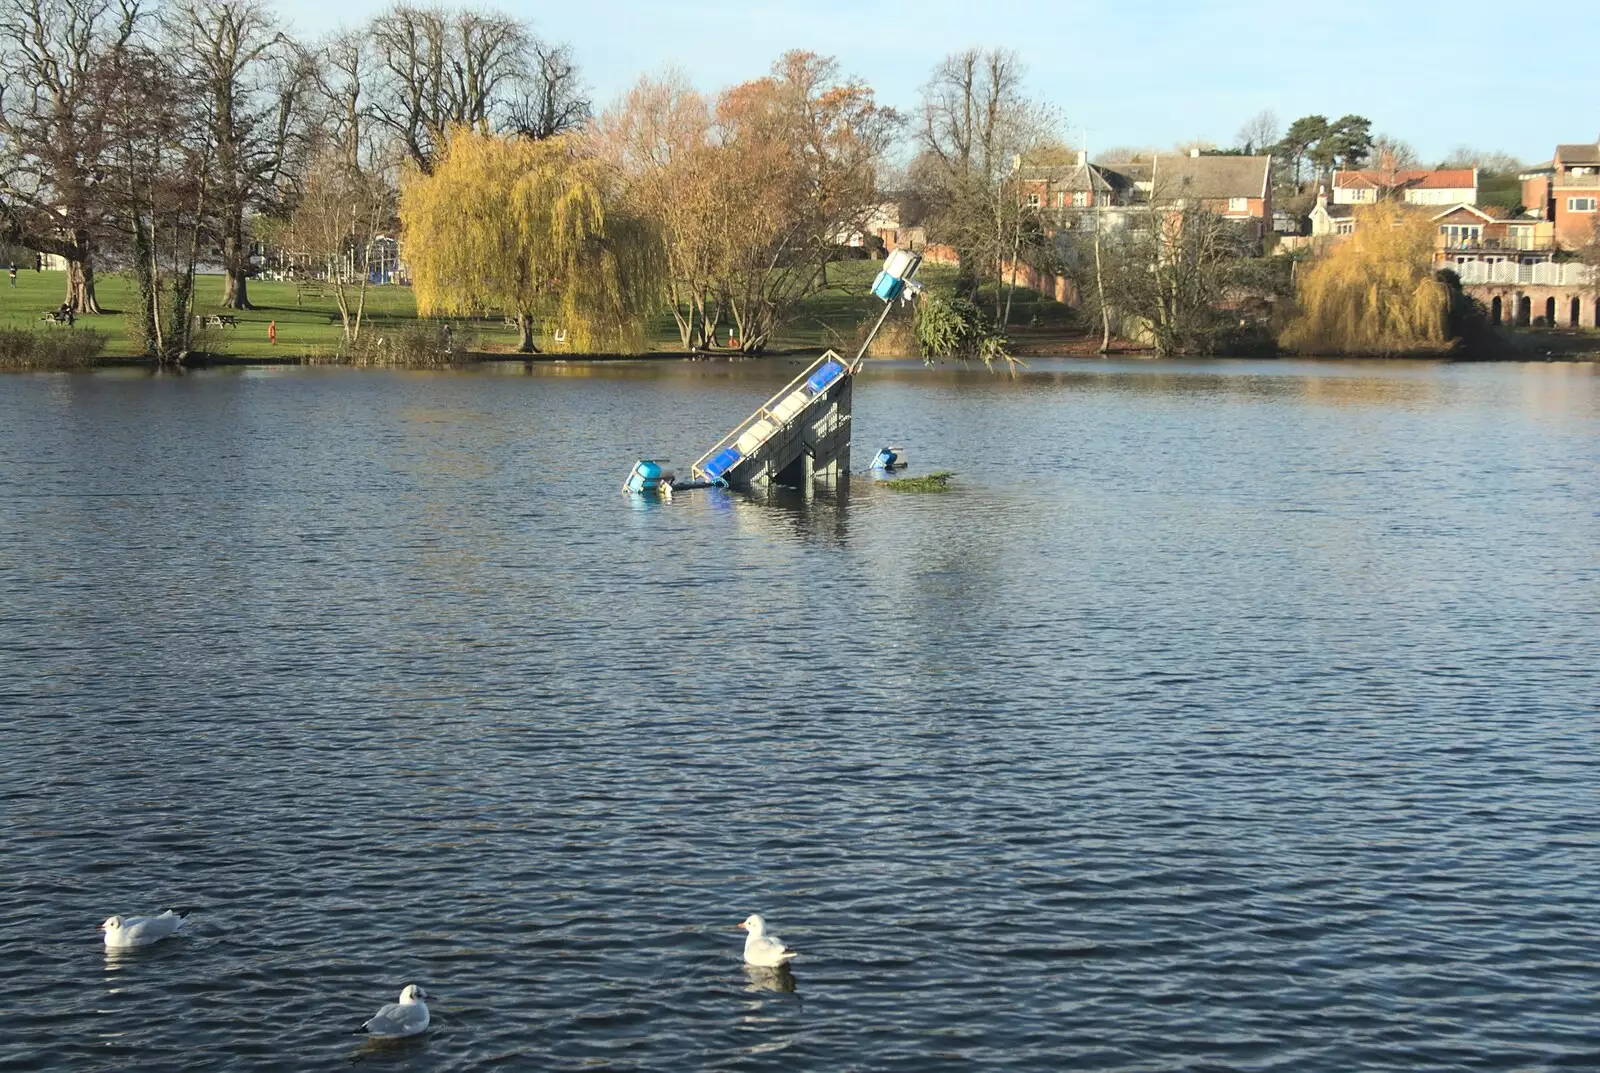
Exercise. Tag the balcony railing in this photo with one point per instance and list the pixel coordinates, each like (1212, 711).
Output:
(1570, 181)
(1524, 243)
(1546, 275)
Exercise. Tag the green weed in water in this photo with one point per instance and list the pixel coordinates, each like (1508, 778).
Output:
(932, 482)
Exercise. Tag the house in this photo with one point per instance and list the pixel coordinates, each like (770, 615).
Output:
(1566, 192)
(1329, 220)
(1468, 234)
(1237, 188)
(1440, 186)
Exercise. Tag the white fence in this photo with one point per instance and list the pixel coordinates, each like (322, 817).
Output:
(1540, 275)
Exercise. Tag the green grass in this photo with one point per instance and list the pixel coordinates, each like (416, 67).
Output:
(836, 317)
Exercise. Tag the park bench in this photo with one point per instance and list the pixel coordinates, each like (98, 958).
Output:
(55, 316)
(302, 291)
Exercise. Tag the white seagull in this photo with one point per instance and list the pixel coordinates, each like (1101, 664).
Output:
(124, 933)
(408, 1017)
(760, 949)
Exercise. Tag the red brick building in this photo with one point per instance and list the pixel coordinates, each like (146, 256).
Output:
(1567, 193)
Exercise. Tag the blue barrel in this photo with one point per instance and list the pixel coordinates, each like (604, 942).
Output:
(720, 463)
(823, 377)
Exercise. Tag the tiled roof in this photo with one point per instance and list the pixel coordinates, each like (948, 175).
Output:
(1578, 154)
(1417, 179)
(1075, 178)
(1209, 178)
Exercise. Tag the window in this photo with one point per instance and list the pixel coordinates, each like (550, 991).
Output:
(1460, 235)
(1580, 204)
(1361, 195)
(1061, 200)
(1238, 204)
(1033, 201)
(1345, 227)
(1080, 198)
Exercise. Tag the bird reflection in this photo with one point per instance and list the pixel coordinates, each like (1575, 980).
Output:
(765, 979)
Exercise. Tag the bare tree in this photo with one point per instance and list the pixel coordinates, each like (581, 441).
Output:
(974, 126)
(552, 99)
(440, 69)
(1260, 132)
(345, 78)
(1394, 154)
(52, 130)
(253, 79)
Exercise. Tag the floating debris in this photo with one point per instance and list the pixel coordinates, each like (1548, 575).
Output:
(932, 482)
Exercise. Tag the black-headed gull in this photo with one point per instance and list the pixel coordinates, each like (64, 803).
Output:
(123, 933)
(761, 949)
(408, 1017)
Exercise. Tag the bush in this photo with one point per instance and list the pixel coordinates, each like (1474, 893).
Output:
(954, 327)
(417, 344)
(60, 348)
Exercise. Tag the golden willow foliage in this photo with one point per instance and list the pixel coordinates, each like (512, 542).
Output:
(530, 228)
(1375, 292)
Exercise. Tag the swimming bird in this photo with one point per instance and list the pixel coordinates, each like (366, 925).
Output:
(761, 949)
(408, 1017)
(123, 933)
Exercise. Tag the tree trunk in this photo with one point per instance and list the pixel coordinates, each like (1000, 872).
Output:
(1100, 288)
(525, 334)
(80, 286)
(235, 267)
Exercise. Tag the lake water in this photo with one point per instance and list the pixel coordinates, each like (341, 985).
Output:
(1223, 716)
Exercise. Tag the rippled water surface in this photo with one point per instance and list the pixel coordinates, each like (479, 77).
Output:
(1223, 716)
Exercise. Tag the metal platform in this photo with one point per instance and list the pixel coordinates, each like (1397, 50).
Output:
(799, 435)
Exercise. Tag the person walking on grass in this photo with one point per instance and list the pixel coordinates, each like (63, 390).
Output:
(272, 333)
(13, 273)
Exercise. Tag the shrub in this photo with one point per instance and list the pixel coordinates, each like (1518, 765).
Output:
(954, 327)
(61, 348)
(417, 344)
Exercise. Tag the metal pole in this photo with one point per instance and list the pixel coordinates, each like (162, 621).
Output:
(855, 366)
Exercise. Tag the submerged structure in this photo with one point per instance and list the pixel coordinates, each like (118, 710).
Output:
(801, 434)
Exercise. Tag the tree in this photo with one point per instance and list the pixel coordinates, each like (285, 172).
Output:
(442, 69)
(1173, 278)
(1375, 293)
(1349, 141)
(1260, 132)
(253, 80)
(1300, 141)
(52, 128)
(796, 170)
(1394, 154)
(551, 100)
(532, 228)
(154, 190)
(342, 212)
(975, 126)
(658, 139)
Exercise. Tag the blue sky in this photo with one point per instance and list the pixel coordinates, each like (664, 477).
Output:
(1155, 72)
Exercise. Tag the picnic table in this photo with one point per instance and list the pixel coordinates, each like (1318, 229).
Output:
(221, 320)
(56, 316)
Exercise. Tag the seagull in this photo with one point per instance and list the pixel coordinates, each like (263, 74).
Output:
(760, 949)
(408, 1017)
(123, 933)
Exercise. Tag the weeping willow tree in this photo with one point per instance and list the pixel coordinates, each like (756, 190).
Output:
(529, 228)
(1375, 292)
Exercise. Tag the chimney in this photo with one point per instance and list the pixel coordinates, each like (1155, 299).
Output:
(1083, 157)
(1194, 154)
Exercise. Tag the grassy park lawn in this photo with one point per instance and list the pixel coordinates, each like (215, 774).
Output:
(309, 324)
